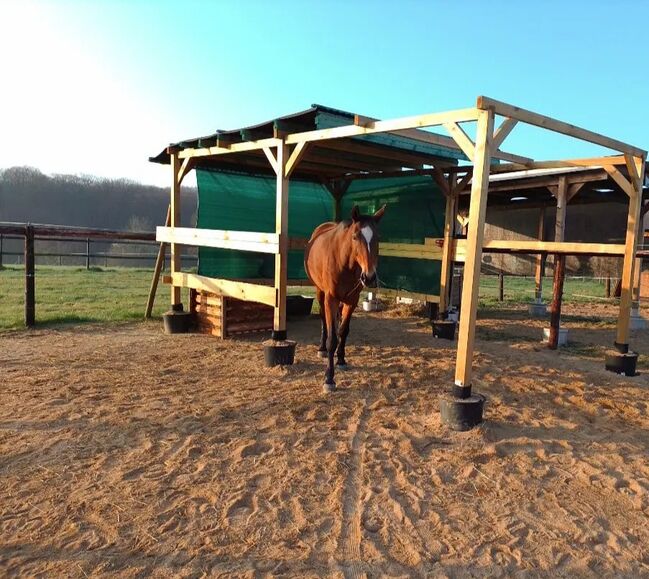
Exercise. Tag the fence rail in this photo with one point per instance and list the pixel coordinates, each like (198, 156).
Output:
(32, 232)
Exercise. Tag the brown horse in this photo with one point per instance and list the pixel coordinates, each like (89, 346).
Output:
(340, 260)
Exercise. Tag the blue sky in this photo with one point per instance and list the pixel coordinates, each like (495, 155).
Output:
(96, 87)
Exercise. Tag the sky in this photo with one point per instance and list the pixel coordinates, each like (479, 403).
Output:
(96, 87)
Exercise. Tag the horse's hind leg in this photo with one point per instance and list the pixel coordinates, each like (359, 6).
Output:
(343, 332)
(322, 349)
(331, 313)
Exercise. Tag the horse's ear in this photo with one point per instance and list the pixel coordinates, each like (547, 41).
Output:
(356, 214)
(377, 216)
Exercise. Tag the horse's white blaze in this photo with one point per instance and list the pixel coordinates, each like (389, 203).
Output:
(367, 234)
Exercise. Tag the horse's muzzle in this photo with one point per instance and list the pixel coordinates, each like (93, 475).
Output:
(368, 280)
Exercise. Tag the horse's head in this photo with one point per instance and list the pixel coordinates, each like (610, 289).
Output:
(365, 243)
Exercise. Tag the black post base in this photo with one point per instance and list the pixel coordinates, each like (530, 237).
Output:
(444, 329)
(279, 353)
(461, 414)
(622, 363)
(176, 321)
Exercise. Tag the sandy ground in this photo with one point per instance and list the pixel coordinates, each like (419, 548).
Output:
(128, 453)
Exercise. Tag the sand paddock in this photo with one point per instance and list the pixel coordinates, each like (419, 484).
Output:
(128, 453)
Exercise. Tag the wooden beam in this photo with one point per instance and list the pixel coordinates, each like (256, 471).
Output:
(531, 118)
(594, 162)
(296, 155)
(241, 240)
(540, 259)
(555, 306)
(249, 292)
(440, 140)
(271, 159)
(186, 167)
(573, 189)
(373, 127)
(562, 202)
(175, 222)
(477, 211)
(412, 250)
(620, 179)
(447, 253)
(231, 148)
(630, 248)
(535, 247)
(281, 230)
(461, 138)
(159, 263)
(634, 177)
(502, 132)
(442, 183)
(462, 183)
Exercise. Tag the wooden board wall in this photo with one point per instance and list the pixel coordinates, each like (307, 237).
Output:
(225, 317)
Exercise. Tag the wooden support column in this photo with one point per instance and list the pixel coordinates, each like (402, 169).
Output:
(540, 259)
(159, 264)
(30, 294)
(477, 212)
(281, 228)
(630, 245)
(176, 303)
(447, 253)
(559, 264)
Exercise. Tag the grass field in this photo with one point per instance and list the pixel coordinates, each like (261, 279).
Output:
(70, 294)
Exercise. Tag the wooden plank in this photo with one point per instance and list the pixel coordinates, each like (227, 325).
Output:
(372, 127)
(281, 229)
(440, 140)
(159, 264)
(175, 222)
(594, 162)
(186, 167)
(502, 132)
(462, 183)
(630, 248)
(477, 211)
(241, 240)
(412, 250)
(461, 138)
(447, 250)
(555, 125)
(620, 179)
(225, 287)
(633, 172)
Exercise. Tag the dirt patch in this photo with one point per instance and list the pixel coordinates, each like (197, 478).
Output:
(126, 452)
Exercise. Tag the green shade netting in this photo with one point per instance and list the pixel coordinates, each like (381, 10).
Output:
(240, 202)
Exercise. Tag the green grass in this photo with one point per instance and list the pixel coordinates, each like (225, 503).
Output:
(519, 290)
(73, 295)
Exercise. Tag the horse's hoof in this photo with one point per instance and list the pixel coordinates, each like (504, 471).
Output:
(328, 388)
(322, 354)
(342, 366)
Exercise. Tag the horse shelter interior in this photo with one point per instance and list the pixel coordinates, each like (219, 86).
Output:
(251, 233)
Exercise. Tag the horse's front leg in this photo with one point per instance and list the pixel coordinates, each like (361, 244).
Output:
(331, 314)
(343, 332)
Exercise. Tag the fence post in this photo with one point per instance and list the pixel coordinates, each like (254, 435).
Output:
(87, 253)
(501, 287)
(1, 239)
(30, 298)
(608, 286)
(557, 294)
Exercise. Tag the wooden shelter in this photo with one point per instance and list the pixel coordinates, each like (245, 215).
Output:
(338, 155)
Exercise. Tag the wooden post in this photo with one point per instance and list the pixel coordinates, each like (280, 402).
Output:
(281, 258)
(87, 253)
(559, 264)
(501, 287)
(608, 286)
(175, 222)
(1, 239)
(30, 294)
(477, 211)
(631, 241)
(159, 263)
(540, 259)
(447, 254)
(557, 295)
